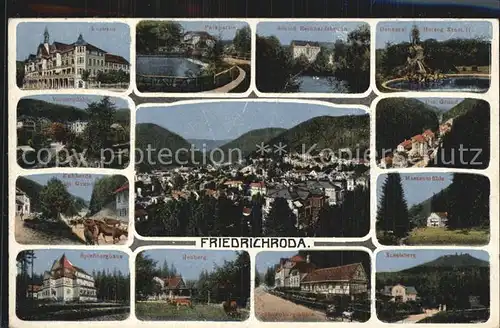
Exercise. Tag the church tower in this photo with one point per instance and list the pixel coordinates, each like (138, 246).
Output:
(46, 39)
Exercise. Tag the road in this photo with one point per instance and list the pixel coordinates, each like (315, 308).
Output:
(417, 317)
(273, 308)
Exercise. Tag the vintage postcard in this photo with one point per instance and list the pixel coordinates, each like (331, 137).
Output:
(275, 169)
(73, 131)
(192, 285)
(432, 132)
(193, 56)
(433, 286)
(313, 286)
(72, 209)
(72, 285)
(433, 56)
(73, 55)
(433, 209)
(313, 57)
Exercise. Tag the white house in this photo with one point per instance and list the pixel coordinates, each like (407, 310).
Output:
(309, 49)
(22, 203)
(77, 127)
(122, 205)
(258, 188)
(348, 279)
(66, 282)
(438, 219)
(198, 39)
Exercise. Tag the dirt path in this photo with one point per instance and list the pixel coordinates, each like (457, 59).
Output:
(273, 308)
(231, 85)
(25, 235)
(413, 318)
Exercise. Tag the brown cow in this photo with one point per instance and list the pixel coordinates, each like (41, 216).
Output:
(230, 307)
(182, 301)
(112, 222)
(114, 232)
(91, 232)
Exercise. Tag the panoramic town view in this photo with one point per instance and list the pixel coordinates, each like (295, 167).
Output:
(313, 286)
(76, 55)
(72, 285)
(313, 57)
(432, 56)
(73, 131)
(433, 132)
(433, 209)
(176, 56)
(72, 209)
(252, 169)
(188, 284)
(433, 286)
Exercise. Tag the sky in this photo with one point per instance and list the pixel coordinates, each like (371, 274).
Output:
(229, 120)
(225, 29)
(388, 264)
(307, 31)
(84, 259)
(470, 30)
(417, 191)
(111, 37)
(442, 103)
(265, 260)
(80, 186)
(190, 268)
(79, 101)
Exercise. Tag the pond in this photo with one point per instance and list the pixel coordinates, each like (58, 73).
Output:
(321, 84)
(167, 66)
(458, 84)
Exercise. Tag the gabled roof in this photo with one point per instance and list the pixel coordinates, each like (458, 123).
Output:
(340, 273)
(173, 282)
(115, 59)
(122, 188)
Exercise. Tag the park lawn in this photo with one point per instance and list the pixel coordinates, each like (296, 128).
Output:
(442, 236)
(163, 311)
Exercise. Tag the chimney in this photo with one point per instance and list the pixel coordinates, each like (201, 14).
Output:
(308, 258)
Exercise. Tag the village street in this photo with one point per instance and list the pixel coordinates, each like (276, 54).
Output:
(273, 308)
(25, 235)
(417, 317)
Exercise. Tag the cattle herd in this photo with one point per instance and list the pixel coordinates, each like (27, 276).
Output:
(106, 227)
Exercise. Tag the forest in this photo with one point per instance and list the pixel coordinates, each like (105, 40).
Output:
(208, 216)
(275, 65)
(449, 280)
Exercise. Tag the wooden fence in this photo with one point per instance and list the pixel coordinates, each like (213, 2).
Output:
(159, 83)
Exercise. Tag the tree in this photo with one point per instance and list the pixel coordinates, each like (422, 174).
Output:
(392, 213)
(20, 73)
(145, 269)
(469, 209)
(281, 220)
(58, 132)
(274, 65)
(269, 276)
(257, 278)
(97, 133)
(86, 76)
(355, 66)
(154, 34)
(243, 40)
(102, 193)
(55, 198)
